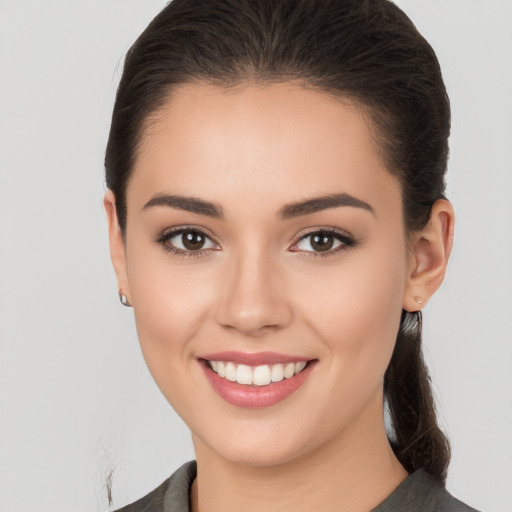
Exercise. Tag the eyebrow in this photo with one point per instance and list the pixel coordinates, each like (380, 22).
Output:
(190, 204)
(291, 210)
(318, 204)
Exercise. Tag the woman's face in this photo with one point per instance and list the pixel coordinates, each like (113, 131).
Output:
(263, 230)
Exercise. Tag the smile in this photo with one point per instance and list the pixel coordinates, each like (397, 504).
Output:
(255, 380)
(261, 375)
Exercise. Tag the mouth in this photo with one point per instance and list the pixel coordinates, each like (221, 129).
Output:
(261, 375)
(255, 380)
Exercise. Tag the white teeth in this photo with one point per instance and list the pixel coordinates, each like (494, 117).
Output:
(256, 375)
(289, 370)
(231, 372)
(300, 366)
(244, 374)
(277, 373)
(261, 375)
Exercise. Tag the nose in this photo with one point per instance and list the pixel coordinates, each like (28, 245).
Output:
(254, 296)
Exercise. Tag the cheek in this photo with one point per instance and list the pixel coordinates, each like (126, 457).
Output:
(170, 304)
(355, 310)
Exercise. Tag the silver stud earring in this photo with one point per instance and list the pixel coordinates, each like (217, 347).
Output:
(418, 299)
(124, 300)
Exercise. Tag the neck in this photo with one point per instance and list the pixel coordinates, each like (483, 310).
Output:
(354, 471)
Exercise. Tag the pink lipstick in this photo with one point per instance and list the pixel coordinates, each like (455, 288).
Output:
(255, 379)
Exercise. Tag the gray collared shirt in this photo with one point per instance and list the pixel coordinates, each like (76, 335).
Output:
(419, 492)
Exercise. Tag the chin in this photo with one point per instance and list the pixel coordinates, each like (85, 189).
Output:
(258, 456)
(264, 448)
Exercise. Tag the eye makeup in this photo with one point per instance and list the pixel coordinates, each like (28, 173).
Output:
(192, 242)
(327, 236)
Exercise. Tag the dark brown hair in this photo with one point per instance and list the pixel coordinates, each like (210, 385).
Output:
(365, 50)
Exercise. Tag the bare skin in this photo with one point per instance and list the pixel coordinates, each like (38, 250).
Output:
(258, 283)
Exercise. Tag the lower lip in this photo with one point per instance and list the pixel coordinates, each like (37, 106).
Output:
(256, 396)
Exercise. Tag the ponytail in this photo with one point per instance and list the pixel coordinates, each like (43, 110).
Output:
(417, 440)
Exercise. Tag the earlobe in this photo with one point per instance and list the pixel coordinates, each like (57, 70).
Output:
(116, 243)
(430, 251)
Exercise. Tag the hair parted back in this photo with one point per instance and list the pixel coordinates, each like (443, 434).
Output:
(365, 50)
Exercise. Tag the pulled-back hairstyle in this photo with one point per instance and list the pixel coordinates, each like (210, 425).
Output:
(367, 51)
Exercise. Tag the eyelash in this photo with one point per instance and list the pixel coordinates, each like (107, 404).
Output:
(168, 234)
(346, 242)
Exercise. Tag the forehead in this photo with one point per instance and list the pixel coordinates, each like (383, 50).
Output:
(266, 144)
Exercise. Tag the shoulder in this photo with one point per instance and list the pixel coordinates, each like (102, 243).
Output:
(170, 496)
(420, 492)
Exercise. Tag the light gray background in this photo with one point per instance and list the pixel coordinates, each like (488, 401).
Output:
(76, 400)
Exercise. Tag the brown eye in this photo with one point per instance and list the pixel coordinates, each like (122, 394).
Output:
(186, 241)
(193, 240)
(323, 241)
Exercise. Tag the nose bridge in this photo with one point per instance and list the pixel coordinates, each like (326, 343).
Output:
(254, 300)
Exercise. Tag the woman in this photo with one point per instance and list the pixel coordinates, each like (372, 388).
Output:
(277, 221)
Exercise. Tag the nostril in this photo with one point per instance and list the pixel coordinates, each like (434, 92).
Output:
(249, 329)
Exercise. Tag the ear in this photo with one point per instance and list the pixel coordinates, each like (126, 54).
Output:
(430, 249)
(117, 248)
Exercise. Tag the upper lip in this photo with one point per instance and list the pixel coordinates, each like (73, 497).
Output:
(254, 358)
